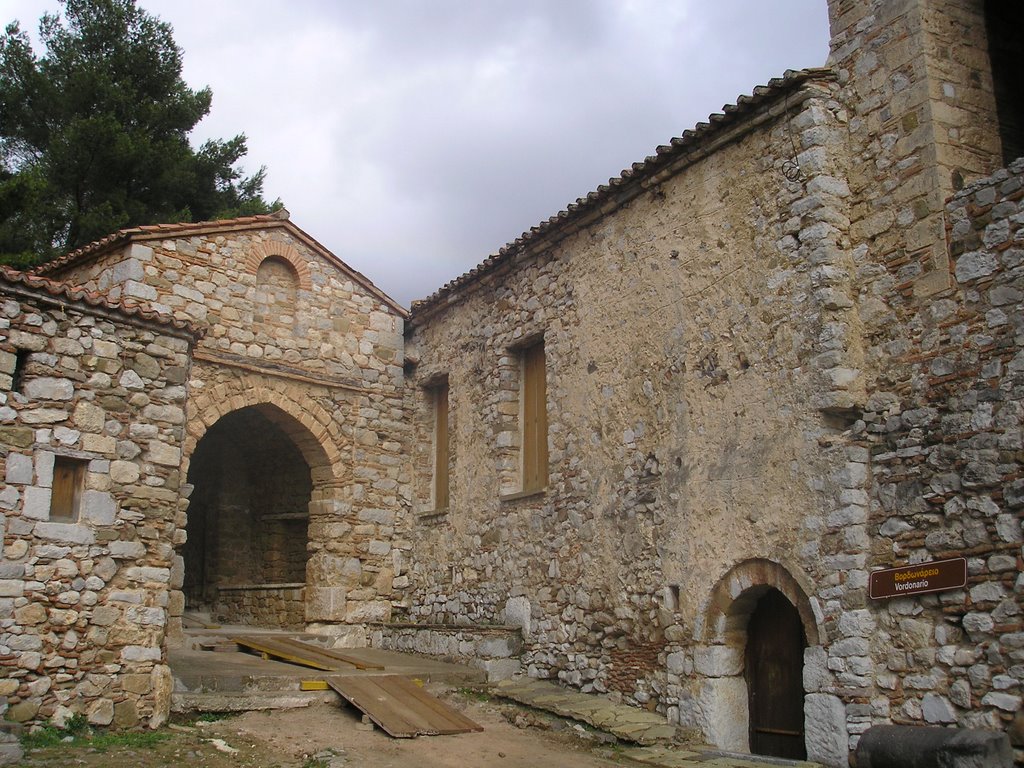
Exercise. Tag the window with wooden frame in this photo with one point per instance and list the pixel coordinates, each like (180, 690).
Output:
(66, 493)
(442, 454)
(533, 409)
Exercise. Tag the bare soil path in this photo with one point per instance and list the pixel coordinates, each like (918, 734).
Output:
(334, 736)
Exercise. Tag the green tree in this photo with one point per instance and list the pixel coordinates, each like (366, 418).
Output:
(94, 134)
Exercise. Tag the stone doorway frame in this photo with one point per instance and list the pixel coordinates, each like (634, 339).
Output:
(721, 641)
(318, 437)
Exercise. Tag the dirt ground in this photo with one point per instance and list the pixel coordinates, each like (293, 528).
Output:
(334, 736)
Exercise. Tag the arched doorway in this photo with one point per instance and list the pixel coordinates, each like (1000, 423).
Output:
(755, 627)
(248, 518)
(773, 670)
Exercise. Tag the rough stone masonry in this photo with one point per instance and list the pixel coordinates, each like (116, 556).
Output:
(780, 353)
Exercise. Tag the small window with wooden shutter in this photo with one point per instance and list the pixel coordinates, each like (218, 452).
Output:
(534, 410)
(18, 375)
(442, 455)
(66, 493)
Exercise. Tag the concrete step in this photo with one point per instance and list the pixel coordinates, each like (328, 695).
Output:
(185, 702)
(199, 682)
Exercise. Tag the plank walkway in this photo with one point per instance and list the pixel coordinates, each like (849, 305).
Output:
(401, 708)
(305, 654)
(397, 705)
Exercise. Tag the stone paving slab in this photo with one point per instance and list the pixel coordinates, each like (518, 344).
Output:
(705, 757)
(623, 722)
(626, 723)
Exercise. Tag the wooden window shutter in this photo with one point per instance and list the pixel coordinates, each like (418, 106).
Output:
(441, 453)
(66, 493)
(535, 419)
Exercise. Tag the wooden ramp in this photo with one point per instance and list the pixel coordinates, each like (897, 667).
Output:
(400, 707)
(304, 654)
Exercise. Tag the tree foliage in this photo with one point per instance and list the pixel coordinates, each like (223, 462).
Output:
(94, 134)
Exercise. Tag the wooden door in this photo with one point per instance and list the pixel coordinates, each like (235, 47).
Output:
(774, 672)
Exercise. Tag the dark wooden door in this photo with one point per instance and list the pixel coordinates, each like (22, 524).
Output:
(774, 672)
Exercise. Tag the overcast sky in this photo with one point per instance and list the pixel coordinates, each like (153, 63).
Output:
(414, 138)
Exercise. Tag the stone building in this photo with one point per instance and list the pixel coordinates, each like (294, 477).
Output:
(294, 425)
(667, 435)
(91, 423)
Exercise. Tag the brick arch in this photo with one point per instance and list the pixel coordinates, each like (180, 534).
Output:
(274, 249)
(309, 426)
(734, 596)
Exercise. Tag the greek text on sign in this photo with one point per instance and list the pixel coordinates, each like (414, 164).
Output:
(917, 579)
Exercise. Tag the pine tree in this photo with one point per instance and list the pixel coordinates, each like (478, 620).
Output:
(94, 134)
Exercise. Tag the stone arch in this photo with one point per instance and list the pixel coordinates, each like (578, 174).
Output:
(309, 426)
(270, 249)
(302, 428)
(736, 593)
(721, 647)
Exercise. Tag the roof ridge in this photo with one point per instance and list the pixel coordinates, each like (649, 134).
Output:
(123, 235)
(280, 218)
(689, 139)
(70, 292)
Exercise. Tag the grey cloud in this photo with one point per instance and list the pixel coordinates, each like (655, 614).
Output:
(414, 138)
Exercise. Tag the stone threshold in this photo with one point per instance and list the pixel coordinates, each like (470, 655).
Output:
(626, 723)
(662, 744)
(706, 757)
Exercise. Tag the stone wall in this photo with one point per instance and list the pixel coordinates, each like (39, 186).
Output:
(329, 320)
(946, 464)
(84, 600)
(922, 122)
(494, 649)
(311, 345)
(701, 356)
(281, 606)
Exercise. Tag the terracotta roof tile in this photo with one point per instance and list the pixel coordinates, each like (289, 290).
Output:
(124, 235)
(152, 231)
(73, 293)
(604, 195)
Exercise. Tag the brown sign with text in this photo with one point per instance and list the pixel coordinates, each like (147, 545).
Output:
(917, 579)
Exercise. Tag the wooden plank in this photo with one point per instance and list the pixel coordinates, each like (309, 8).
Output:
(441, 453)
(446, 719)
(274, 649)
(533, 392)
(400, 707)
(366, 695)
(316, 651)
(306, 654)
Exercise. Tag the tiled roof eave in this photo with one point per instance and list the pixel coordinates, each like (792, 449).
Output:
(155, 232)
(667, 161)
(189, 229)
(16, 281)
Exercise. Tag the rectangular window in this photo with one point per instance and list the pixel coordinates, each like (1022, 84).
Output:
(1006, 57)
(18, 377)
(441, 446)
(534, 410)
(68, 482)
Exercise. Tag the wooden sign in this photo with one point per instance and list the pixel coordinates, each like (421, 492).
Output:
(918, 579)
